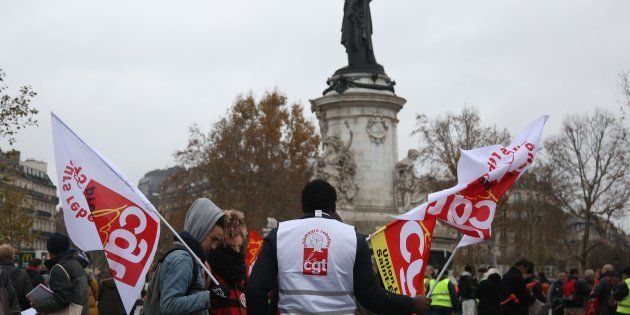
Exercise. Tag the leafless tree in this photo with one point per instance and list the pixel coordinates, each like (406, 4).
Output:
(589, 165)
(624, 86)
(442, 137)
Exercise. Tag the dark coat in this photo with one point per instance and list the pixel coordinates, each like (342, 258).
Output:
(69, 286)
(488, 295)
(607, 283)
(110, 302)
(21, 282)
(513, 284)
(7, 294)
(36, 277)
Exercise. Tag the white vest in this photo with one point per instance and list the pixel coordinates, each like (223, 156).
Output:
(315, 266)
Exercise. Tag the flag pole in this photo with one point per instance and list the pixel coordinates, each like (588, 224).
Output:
(441, 274)
(144, 201)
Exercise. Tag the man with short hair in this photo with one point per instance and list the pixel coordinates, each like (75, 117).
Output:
(515, 300)
(320, 265)
(19, 278)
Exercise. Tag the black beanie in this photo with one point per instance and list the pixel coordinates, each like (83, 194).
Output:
(58, 243)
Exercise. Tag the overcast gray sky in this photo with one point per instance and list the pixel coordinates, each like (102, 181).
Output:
(131, 76)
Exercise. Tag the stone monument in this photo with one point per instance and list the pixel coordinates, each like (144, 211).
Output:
(358, 122)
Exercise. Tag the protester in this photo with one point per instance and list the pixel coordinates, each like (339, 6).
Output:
(604, 291)
(515, 300)
(428, 276)
(68, 280)
(544, 283)
(467, 287)
(488, 292)
(19, 277)
(298, 253)
(574, 292)
(34, 272)
(444, 300)
(109, 300)
(179, 285)
(228, 266)
(535, 289)
(9, 303)
(623, 294)
(92, 285)
(554, 298)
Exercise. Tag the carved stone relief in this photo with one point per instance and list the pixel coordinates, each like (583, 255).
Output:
(377, 129)
(410, 190)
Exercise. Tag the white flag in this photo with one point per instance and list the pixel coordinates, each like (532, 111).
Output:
(103, 211)
(483, 176)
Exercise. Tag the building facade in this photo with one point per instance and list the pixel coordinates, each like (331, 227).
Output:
(30, 180)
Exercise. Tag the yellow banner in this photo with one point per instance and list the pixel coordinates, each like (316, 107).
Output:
(384, 262)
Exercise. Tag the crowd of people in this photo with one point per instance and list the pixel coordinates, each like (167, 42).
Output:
(522, 291)
(292, 275)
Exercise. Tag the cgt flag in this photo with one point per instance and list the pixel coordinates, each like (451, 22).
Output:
(103, 211)
(253, 249)
(401, 252)
(484, 175)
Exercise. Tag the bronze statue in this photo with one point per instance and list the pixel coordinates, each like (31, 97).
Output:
(356, 36)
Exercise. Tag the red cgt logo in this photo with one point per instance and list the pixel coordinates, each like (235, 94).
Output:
(315, 260)
(127, 232)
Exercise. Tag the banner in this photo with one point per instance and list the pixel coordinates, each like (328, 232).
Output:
(401, 253)
(254, 246)
(102, 210)
(484, 175)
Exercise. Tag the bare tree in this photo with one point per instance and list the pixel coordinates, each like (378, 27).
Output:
(624, 86)
(442, 137)
(16, 112)
(589, 165)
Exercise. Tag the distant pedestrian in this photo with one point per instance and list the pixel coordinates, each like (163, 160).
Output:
(9, 303)
(467, 286)
(444, 300)
(605, 291)
(428, 276)
(554, 298)
(67, 280)
(535, 289)
(109, 301)
(515, 300)
(574, 292)
(488, 293)
(34, 272)
(179, 285)
(19, 278)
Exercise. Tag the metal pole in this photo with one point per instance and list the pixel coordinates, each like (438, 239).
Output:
(441, 274)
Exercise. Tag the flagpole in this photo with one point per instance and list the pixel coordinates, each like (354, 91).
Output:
(149, 206)
(441, 274)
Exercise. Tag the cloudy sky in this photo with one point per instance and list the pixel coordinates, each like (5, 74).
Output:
(132, 76)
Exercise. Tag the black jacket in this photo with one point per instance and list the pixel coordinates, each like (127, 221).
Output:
(467, 287)
(607, 283)
(488, 295)
(110, 302)
(513, 283)
(36, 277)
(67, 288)
(21, 282)
(366, 288)
(8, 295)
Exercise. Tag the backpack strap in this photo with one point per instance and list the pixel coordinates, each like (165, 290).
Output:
(195, 271)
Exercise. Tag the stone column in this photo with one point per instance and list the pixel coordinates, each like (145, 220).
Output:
(358, 122)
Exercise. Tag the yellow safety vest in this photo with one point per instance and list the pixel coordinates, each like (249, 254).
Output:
(440, 296)
(623, 307)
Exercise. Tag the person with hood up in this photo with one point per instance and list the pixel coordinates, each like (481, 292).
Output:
(181, 286)
(488, 292)
(67, 280)
(228, 266)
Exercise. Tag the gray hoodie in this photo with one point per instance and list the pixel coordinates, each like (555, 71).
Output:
(176, 271)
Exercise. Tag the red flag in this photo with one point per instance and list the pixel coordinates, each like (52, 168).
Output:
(253, 249)
(401, 252)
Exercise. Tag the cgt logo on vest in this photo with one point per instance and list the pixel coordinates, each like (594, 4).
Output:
(316, 243)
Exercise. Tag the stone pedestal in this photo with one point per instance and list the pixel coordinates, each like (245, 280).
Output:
(358, 122)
